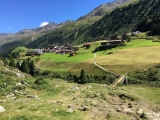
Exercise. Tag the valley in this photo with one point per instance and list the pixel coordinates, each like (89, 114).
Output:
(103, 66)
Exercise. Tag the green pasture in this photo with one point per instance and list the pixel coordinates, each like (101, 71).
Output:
(65, 57)
(135, 55)
(133, 44)
(138, 54)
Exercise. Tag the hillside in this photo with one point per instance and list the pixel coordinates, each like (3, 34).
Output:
(46, 96)
(46, 35)
(125, 19)
(119, 21)
(104, 8)
(25, 97)
(23, 37)
(76, 32)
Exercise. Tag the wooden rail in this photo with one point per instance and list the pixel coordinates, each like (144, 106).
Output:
(119, 80)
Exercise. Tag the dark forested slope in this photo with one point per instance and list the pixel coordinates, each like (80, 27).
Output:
(138, 16)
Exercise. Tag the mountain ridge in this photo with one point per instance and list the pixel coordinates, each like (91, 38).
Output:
(49, 26)
(104, 8)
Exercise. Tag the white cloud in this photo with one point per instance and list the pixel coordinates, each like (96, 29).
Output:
(10, 28)
(43, 24)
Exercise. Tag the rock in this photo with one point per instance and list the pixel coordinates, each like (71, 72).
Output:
(140, 111)
(57, 86)
(2, 101)
(127, 110)
(95, 117)
(18, 84)
(75, 88)
(70, 110)
(9, 95)
(130, 105)
(105, 106)
(71, 106)
(20, 75)
(23, 82)
(2, 109)
(32, 96)
(94, 104)
(84, 108)
(60, 102)
(88, 87)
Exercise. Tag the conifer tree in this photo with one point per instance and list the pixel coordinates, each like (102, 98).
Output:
(25, 67)
(18, 65)
(31, 67)
(12, 62)
(82, 78)
(4, 60)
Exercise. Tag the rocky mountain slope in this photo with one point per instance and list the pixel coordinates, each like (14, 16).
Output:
(50, 26)
(10, 37)
(104, 8)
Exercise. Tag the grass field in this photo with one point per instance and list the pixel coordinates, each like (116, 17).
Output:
(134, 44)
(65, 58)
(138, 54)
(135, 55)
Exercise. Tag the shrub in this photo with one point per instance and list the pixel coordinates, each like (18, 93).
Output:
(40, 84)
(40, 81)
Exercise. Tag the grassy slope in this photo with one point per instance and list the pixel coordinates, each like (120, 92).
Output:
(48, 107)
(64, 63)
(136, 55)
(54, 100)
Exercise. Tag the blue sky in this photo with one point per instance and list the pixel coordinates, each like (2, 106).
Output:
(27, 14)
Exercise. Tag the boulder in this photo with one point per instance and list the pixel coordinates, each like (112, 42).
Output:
(75, 88)
(70, 110)
(2, 109)
(20, 75)
(18, 84)
(32, 96)
(140, 111)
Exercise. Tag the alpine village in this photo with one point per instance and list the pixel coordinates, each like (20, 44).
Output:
(103, 66)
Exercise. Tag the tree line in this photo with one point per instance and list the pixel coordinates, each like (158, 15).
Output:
(26, 66)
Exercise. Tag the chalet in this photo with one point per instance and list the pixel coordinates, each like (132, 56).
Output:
(40, 51)
(87, 45)
(113, 43)
(34, 52)
(136, 33)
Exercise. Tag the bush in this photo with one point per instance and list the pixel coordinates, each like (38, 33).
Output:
(40, 84)
(40, 81)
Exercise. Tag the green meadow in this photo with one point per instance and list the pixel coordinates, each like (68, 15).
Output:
(138, 54)
(65, 57)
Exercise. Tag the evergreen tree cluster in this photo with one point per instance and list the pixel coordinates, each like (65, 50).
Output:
(4, 60)
(27, 66)
(141, 16)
